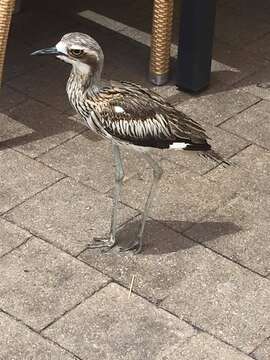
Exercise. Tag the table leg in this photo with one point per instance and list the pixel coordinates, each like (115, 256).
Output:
(161, 41)
(6, 9)
(195, 44)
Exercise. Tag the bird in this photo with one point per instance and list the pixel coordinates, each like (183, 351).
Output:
(126, 114)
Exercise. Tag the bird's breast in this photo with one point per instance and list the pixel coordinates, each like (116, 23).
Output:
(84, 106)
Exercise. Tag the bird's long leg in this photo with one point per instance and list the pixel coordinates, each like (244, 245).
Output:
(157, 173)
(119, 175)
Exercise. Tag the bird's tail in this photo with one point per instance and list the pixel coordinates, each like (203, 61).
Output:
(205, 150)
(213, 155)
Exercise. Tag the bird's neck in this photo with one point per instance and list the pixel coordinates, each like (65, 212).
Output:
(85, 81)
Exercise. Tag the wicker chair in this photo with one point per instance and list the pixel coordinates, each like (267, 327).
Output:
(161, 41)
(160, 46)
(6, 10)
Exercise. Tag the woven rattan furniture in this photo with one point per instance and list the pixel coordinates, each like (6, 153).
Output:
(161, 41)
(6, 9)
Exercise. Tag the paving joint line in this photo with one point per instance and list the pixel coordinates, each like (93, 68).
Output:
(247, 140)
(37, 333)
(65, 176)
(229, 158)
(80, 132)
(227, 258)
(44, 239)
(258, 346)
(201, 330)
(4, 213)
(37, 160)
(205, 216)
(16, 247)
(30, 97)
(238, 113)
(75, 306)
(6, 111)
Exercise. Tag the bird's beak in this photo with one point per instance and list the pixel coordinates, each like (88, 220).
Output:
(49, 51)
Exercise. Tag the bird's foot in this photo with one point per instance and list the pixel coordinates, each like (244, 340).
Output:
(104, 243)
(135, 247)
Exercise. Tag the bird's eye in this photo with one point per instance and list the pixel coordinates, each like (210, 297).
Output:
(76, 52)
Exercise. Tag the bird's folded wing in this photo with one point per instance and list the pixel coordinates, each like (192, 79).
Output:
(134, 114)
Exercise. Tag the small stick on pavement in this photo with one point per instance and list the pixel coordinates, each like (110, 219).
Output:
(131, 286)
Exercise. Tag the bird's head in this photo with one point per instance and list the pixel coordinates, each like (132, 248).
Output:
(79, 50)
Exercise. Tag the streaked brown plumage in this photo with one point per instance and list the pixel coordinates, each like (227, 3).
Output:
(126, 114)
(147, 120)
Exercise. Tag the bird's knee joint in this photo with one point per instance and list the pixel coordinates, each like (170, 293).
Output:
(119, 177)
(158, 173)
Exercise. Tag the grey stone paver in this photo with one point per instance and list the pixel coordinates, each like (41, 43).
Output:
(179, 199)
(214, 108)
(68, 214)
(167, 258)
(250, 171)
(261, 47)
(237, 30)
(170, 91)
(88, 159)
(249, 9)
(18, 59)
(121, 328)
(224, 299)
(39, 283)
(13, 131)
(224, 209)
(257, 84)
(223, 142)
(231, 64)
(252, 124)
(250, 244)
(205, 347)
(35, 128)
(21, 178)
(50, 88)
(263, 351)
(9, 98)
(11, 236)
(20, 343)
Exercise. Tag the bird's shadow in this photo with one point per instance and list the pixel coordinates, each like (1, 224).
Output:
(161, 237)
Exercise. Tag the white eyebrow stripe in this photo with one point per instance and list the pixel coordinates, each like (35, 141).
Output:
(78, 47)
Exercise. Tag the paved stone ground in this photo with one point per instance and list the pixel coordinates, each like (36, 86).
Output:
(202, 285)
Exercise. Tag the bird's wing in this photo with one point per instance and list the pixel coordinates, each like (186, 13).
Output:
(134, 114)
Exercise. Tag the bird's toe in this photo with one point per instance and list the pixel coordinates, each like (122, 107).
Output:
(101, 242)
(134, 248)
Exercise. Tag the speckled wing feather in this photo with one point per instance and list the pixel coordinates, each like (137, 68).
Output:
(132, 114)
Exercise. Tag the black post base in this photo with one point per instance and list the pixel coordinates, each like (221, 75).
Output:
(195, 44)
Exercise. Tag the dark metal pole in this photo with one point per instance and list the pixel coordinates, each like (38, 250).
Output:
(18, 6)
(195, 44)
